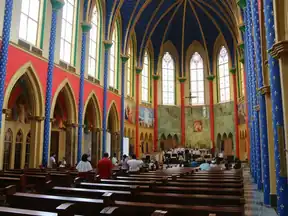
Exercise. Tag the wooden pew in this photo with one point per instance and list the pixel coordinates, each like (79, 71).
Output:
(194, 180)
(163, 189)
(8, 211)
(19, 182)
(176, 184)
(90, 206)
(138, 196)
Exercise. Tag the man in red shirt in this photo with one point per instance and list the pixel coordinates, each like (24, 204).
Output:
(105, 167)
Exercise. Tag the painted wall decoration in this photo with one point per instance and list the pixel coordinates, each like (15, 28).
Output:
(224, 119)
(169, 121)
(198, 126)
(130, 111)
(146, 117)
(241, 113)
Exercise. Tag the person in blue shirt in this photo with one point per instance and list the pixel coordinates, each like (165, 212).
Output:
(194, 163)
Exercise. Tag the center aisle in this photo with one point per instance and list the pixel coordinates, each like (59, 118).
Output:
(254, 199)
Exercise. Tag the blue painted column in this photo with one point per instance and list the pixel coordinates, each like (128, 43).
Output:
(124, 59)
(250, 102)
(4, 51)
(277, 113)
(85, 29)
(262, 102)
(56, 6)
(107, 45)
(257, 148)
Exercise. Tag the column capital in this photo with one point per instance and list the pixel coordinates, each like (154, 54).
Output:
(139, 70)
(233, 71)
(241, 3)
(37, 118)
(264, 90)
(156, 76)
(86, 27)
(182, 79)
(210, 77)
(57, 4)
(107, 44)
(124, 58)
(242, 60)
(242, 28)
(241, 45)
(279, 49)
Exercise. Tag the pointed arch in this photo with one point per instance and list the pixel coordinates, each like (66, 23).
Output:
(38, 95)
(65, 86)
(113, 114)
(92, 97)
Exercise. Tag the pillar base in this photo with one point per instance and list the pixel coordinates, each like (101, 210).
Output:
(273, 200)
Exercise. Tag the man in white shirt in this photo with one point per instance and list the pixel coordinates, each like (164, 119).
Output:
(134, 164)
(52, 161)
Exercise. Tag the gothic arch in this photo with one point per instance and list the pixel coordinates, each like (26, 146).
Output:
(92, 97)
(70, 100)
(28, 70)
(113, 113)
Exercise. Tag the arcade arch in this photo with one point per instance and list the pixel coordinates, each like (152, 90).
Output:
(63, 130)
(113, 128)
(23, 108)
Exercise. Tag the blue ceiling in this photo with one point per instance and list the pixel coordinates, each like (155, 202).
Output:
(152, 18)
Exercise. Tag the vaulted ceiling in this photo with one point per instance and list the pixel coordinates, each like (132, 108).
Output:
(180, 21)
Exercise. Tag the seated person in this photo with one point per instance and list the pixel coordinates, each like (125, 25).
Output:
(134, 164)
(205, 166)
(194, 163)
(238, 164)
(84, 167)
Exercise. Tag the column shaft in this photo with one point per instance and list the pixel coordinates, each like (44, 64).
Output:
(211, 111)
(155, 77)
(262, 101)
(277, 113)
(138, 72)
(49, 82)
(4, 50)
(107, 45)
(182, 95)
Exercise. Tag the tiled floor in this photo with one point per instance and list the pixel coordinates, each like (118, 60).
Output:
(254, 199)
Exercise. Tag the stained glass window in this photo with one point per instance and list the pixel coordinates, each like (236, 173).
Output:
(168, 80)
(93, 45)
(145, 78)
(113, 61)
(29, 20)
(67, 31)
(223, 75)
(197, 79)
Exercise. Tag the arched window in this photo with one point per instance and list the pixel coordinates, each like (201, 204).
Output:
(168, 80)
(129, 71)
(7, 149)
(67, 31)
(223, 75)
(27, 151)
(93, 45)
(145, 78)
(197, 79)
(29, 20)
(113, 59)
(18, 150)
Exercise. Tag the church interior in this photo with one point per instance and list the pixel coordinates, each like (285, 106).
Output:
(143, 77)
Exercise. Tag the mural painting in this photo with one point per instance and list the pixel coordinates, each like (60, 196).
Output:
(146, 117)
(198, 126)
(130, 111)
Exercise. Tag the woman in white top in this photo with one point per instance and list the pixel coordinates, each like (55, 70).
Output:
(114, 160)
(84, 165)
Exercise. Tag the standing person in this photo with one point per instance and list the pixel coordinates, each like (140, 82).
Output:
(124, 164)
(84, 167)
(52, 161)
(105, 167)
(114, 160)
(134, 164)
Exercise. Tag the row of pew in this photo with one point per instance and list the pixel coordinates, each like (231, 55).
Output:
(177, 190)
